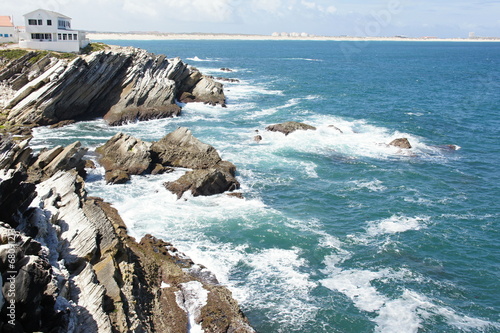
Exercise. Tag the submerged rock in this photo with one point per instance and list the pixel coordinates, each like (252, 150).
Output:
(290, 127)
(402, 143)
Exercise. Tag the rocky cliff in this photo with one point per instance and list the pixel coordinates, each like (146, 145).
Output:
(75, 269)
(67, 263)
(119, 84)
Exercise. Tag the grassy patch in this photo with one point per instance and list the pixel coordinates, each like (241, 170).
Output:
(12, 54)
(94, 47)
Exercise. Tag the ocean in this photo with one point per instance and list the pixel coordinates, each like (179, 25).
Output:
(338, 231)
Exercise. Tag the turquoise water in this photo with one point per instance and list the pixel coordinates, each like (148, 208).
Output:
(337, 232)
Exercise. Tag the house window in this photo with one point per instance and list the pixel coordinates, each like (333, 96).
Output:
(7, 35)
(59, 36)
(32, 22)
(75, 36)
(49, 22)
(70, 36)
(48, 36)
(40, 22)
(65, 37)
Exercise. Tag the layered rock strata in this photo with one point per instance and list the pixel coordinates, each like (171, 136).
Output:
(124, 155)
(75, 269)
(119, 84)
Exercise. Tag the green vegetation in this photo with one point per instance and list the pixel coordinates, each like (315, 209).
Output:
(12, 54)
(94, 47)
(40, 54)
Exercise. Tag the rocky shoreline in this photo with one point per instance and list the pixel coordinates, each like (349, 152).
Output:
(67, 256)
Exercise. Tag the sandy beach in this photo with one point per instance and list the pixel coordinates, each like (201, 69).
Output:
(199, 36)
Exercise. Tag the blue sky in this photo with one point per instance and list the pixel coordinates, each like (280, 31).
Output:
(321, 17)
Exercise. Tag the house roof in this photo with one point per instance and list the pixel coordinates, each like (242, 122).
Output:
(48, 12)
(5, 21)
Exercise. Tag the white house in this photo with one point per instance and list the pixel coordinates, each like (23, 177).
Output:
(8, 33)
(48, 30)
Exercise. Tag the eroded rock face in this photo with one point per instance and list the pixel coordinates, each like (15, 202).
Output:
(204, 182)
(181, 149)
(124, 155)
(119, 84)
(402, 143)
(290, 127)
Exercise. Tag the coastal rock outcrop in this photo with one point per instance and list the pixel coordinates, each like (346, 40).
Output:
(290, 127)
(119, 84)
(402, 143)
(124, 155)
(75, 269)
(181, 149)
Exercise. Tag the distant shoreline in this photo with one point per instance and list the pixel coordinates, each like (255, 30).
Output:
(203, 36)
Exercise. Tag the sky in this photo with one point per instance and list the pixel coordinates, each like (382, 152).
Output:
(446, 18)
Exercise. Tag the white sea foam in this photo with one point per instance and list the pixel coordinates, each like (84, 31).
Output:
(191, 298)
(372, 185)
(195, 58)
(396, 224)
(281, 285)
(406, 313)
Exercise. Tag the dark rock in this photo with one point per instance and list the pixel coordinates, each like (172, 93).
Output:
(203, 182)
(225, 79)
(160, 169)
(181, 149)
(402, 143)
(290, 127)
(257, 138)
(336, 128)
(225, 69)
(133, 114)
(89, 164)
(124, 154)
(63, 123)
(236, 195)
(49, 162)
(116, 177)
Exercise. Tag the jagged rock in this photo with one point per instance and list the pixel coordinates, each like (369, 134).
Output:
(15, 193)
(336, 128)
(128, 115)
(402, 143)
(124, 155)
(49, 162)
(203, 182)
(181, 149)
(289, 127)
(201, 88)
(257, 138)
(160, 169)
(225, 79)
(225, 69)
(116, 177)
(120, 84)
(12, 153)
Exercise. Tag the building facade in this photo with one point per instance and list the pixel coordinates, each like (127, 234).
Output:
(48, 30)
(8, 32)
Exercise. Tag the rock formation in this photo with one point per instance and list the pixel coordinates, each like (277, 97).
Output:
(289, 127)
(124, 155)
(75, 269)
(402, 143)
(119, 84)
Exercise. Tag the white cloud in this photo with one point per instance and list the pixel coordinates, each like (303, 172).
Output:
(272, 6)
